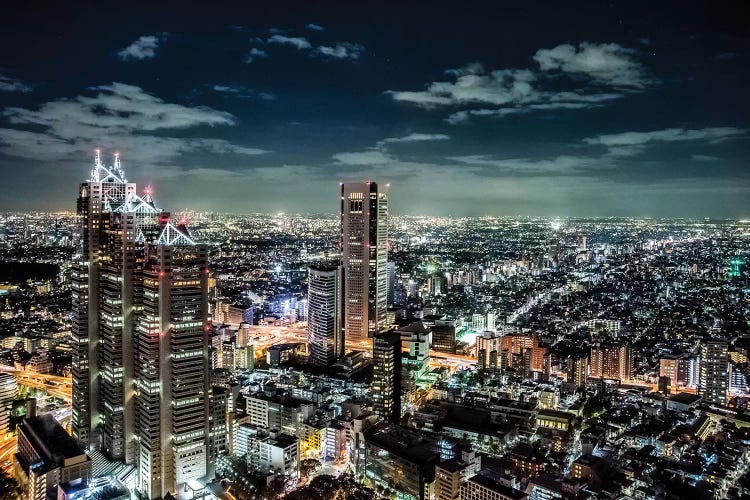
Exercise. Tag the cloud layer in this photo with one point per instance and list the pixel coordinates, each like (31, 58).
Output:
(118, 115)
(8, 84)
(143, 48)
(609, 72)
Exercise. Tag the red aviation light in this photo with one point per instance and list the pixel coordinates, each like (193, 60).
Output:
(148, 190)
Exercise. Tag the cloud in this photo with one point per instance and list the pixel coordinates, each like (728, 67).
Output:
(552, 166)
(607, 63)
(242, 91)
(143, 48)
(341, 50)
(704, 158)
(116, 108)
(300, 43)
(254, 54)
(416, 137)
(463, 116)
(368, 157)
(502, 92)
(117, 116)
(8, 84)
(379, 154)
(315, 27)
(638, 139)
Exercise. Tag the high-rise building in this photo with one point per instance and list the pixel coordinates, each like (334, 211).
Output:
(105, 187)
(682, 371)
(714, 366)
(172, 406)
(116, 223)
(325, 338)
(614, 361)
(386, 375)
(140, 347)
(390, 277)
(489, 350)
(578, 371)
(364, 235)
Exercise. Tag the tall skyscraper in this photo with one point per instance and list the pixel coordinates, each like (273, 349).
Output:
(325, 337)
(714, 367)
(106, 188)
(386, 375)
(137, 272)
(172, 406)
(364, 235)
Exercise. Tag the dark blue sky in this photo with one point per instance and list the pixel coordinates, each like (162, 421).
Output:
(591, 108)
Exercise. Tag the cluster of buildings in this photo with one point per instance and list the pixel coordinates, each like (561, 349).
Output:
(446, 359)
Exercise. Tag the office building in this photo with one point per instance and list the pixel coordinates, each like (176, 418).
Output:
(714, 366)
(47, 457)
(172, 406)
(364, 235)
(105, 187)
(444, 335)
(325, 337)
(386, 375)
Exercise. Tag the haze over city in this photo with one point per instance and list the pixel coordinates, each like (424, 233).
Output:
(586, 109)
(374, 251)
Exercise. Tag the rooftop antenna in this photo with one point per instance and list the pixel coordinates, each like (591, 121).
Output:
(118, 170)
(97, 164)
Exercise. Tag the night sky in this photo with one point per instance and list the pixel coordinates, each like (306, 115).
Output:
(492, 108)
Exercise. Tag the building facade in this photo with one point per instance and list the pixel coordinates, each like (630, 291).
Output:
(714, 366)
(325, 337)
(386, 375)
(364, 235)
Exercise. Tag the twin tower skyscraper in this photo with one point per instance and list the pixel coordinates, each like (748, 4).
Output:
(349, 301)
(140, 335)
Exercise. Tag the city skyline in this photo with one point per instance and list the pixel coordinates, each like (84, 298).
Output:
(588, 110)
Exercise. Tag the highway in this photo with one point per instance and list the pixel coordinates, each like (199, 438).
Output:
(262, 337)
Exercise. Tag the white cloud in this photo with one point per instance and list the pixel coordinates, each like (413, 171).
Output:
(143, 48)
(606, 63)
(415, 137)
(254, 54)
(118, 116)
(243, 92)
(341, 50)
(8, 84)
(315, 27)
(504, 92)
(116, 108)
(300, 43)
(704, 158)
(368, 157)
(625, 139)
(549, 166)
(379, 154)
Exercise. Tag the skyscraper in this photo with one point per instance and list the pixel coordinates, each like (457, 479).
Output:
(172, 405)
(106, 188)
(386, 375)
(364, 234)
(325, 337)
(713, 371)
(137, 276)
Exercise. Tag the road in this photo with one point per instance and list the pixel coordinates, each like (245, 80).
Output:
(265, 336)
